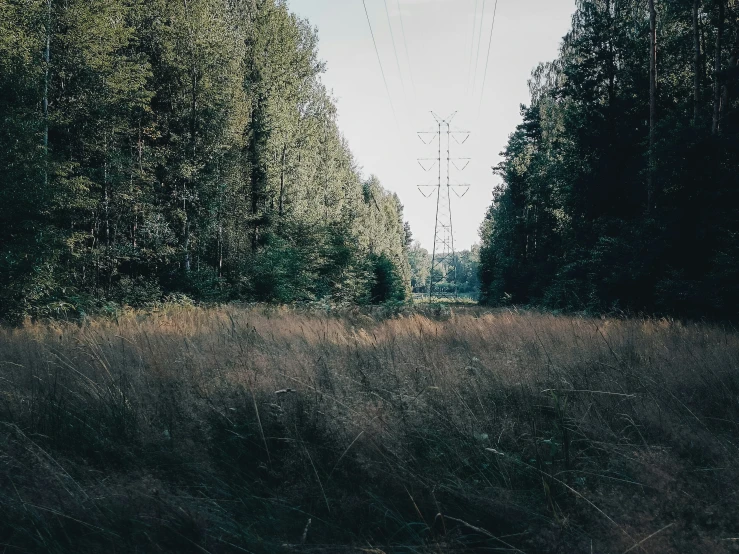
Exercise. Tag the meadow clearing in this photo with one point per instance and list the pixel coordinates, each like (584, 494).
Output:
(262, 429)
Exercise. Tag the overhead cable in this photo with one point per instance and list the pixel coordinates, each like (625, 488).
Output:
(395, 50)
(472, 46)
(382, 71)
(405, 43)
(479, 42)
(492, 28)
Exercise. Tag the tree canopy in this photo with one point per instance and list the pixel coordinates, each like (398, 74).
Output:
(152, 148)
(614, 198)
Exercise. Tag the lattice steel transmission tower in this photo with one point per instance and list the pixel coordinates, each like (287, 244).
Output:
(443, 260)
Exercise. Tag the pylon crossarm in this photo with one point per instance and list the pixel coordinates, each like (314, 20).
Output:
(446, 120)
(466, 163)
(427, 169)
(454, 136)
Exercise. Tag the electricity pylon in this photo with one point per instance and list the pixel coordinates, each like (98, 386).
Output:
(443, 259)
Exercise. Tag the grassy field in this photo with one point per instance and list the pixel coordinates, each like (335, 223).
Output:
(275, 430)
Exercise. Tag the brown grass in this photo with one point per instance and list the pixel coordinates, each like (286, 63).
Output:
(276, 430)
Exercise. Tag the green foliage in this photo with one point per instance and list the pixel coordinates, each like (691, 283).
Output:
(462, 273)
(570, 227)
(420, 262)
(388, 284)
(192, 149)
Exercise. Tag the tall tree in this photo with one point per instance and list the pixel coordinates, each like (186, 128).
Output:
(696, 62)
(730, 75)
(652, 185)
(716, 127)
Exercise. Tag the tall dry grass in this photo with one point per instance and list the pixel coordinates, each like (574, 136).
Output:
(270, 430)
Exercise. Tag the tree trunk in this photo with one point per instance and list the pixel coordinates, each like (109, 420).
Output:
(47, 57)
(716, 127)
(697, 62)
(256, 183)
(186, 229)
(612, 55)
(704, 58)
(729, 82)
(220, 249)
(106, 191)
(282, 181)
(651, 185)
(258, 179)
(325, 176)
(193, 146)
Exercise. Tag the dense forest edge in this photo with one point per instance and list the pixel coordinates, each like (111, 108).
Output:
(156, 150)
(174, 152)
(621, 186)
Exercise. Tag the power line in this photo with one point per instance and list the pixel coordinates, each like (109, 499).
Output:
(485, 76)
(405, 43)
(387, 89)
(479, 42)
(472, 46)
(395, 50)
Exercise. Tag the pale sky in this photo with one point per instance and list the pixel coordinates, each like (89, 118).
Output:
(439, 36)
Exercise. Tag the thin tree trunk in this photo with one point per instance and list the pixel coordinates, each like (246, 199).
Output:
(697, 62)
(140, 149)
(282, 180)
(106, 192)
(193, 146)
(651, 185)
(220, 248)
(135, 228)
(325, 176)
(256, 183)
(612, 54)
(729, 80)
(186, 229)
(704, 57)
(258, 173)
(716, 127)
(47, 57)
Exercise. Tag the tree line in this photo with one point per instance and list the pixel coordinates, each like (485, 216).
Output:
(152, 148)
(620, 188)
(461, 274)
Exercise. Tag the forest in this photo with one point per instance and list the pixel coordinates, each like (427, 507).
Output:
(620, 188)
(157, 150)
(208, 336)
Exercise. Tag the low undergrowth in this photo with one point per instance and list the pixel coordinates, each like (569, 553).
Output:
(275, 430)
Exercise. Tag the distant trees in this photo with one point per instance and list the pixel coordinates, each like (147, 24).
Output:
(462, 276)
(155, 147)
(603, 204)
(467, 264)
(420, 263)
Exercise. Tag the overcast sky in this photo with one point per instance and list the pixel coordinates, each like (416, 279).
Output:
(436, 75)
